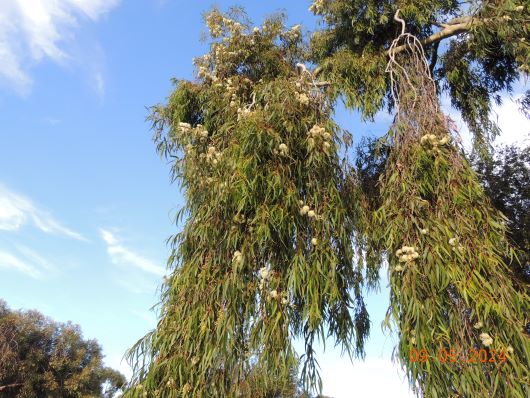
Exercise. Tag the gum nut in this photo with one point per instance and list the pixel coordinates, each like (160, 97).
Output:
(311, 213)
(301, 202)
(314, 241)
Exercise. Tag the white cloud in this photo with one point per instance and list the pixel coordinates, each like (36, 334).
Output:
(120, 254)
(341, 378)
(32, 30)
(514, 125)
(8, 260)
(17, 210)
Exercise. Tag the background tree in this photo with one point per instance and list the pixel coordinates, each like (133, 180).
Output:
(40, 358)
(506, 180)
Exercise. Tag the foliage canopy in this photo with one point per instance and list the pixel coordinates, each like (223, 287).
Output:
(40, 358)
(283, 230)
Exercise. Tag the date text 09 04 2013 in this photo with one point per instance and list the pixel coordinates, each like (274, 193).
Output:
(452, 356)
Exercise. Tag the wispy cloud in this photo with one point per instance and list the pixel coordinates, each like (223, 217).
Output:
(31, 31)
(17, 210)
(9, 260)
(122, 255)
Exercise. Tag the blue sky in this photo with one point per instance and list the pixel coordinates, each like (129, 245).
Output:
(86, 204)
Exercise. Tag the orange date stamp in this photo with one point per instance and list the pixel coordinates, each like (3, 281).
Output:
(446, 355)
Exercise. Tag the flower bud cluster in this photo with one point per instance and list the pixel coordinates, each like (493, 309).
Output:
(293, 34)
(305, 209)
(239, 219)
(303, 98)
(318, 133)
(243, 112)
(317, 7)
(213, 156)
(407, 254)
(184, 127)
(283, 149)
(486, 339)
(433, 142)
(237, 258)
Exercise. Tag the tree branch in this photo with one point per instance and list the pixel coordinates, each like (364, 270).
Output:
(10, 386)
(451, 28)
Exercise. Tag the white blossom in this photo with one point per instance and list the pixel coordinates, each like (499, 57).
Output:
(304, 210)
(314, 241)
(264, 273)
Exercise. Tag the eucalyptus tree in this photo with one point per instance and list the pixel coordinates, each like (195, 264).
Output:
(265, 254)
(275, 221)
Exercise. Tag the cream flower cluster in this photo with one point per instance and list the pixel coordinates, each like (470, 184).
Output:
(239, 218)
(305, 209)
(184, 127)
(294, 33)
(303, 98)
(319, 133)
(243, 112)
(317, 7)
(231, 91)
(433, 142)
(216, 22)
(237, 258)
(264, 276)
(453, 242)
(486, 339)
(274, 295)
(213, 155)
(283, 149)
(407, 254)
